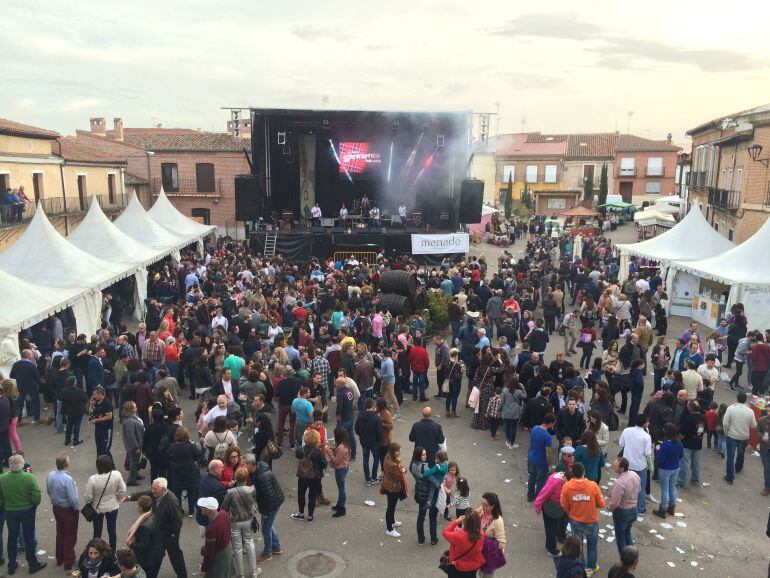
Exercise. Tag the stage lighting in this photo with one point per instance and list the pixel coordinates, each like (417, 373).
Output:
(281, 138)
(396, 124)
(326, 124)
(440, 141)
(286, 150)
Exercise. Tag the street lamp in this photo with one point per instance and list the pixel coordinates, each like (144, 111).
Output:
(754, 151)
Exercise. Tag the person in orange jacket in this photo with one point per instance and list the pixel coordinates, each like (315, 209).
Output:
(582, 499)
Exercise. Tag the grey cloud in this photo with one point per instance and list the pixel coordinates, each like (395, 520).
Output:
(313, 32)
(622, 52)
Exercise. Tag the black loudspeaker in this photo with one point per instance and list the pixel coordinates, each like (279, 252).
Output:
(471, 199)
(250, 204)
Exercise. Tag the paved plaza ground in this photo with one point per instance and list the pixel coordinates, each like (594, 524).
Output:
(724, 533)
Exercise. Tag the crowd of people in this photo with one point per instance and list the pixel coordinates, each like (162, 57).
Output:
(271, 350)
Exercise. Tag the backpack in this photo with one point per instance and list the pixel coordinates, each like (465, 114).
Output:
(614, 424)
(305, 468)
(220, 448)
(164, 444)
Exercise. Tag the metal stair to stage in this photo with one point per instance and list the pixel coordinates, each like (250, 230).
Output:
(271, 240)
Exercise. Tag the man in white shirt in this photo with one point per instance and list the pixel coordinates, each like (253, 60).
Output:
(637, 447)
(708, 371)
(642, 285)
(219, 320)
(343, 212)
(692, 380)
(737, 423)
(219, 409)
(315, 212)
(402, 211)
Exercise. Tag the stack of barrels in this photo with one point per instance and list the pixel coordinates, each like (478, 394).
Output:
(399, 294)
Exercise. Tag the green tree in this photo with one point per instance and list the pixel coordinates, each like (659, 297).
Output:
(603, 188)
(588, 188)
(509, 198)
(526, 196)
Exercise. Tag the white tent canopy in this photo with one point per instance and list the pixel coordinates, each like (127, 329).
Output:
(742, 269)
(169, 216)
(692, 238)
(97, 235)
(139, 226)
(25, 305)
(43, 257)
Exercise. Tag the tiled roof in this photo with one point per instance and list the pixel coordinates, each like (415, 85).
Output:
(194, 141)
(600, 144)
(762, 109)
(538, 137)
(152, 130)
(629, 143)
(71, 150)
(135, 180)
(518, 144)
(12, 128)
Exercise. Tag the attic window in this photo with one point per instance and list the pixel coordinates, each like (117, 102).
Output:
(583, 144)
(550, 138)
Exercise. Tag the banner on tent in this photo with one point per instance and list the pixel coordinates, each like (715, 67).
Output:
(435, 244)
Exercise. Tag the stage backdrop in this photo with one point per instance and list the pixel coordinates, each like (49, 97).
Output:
(435, 244)
(307, 170)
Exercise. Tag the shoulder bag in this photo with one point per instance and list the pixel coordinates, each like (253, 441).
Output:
(254, 522)
(445, 564)
(88, 511)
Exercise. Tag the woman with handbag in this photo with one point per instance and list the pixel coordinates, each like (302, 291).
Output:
(339, 459)
(263, 439)
(548, 503)
(466, 542)
(310, 470)
(487, 374)
(392, 486)
(240, 505)
(493, 529)
(102, 496)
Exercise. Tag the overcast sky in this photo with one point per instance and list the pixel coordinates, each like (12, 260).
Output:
(562, 66)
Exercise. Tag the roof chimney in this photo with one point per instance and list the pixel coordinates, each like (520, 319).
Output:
(98, 127)
(118, 124)
(668, 138)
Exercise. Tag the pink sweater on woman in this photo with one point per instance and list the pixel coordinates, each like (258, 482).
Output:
(551, 491)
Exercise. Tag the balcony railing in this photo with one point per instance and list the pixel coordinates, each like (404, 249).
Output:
(655, 171)
(698, 179)
(626, 172)
(19, 214)
(188, 187)
(724, 198)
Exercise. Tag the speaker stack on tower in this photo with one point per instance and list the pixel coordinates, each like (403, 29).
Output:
(471, 199)
(250, 203)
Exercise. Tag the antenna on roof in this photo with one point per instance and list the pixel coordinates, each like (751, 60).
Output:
(628, 124)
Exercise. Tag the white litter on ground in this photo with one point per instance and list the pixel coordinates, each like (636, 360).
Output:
(666, 525)
(694, 563)
(610, 538)
(660, 536)
(679, 515)
(678, 549)
(653, 531)
(369, 503)
(507, 481)
(671, 564)
(682, 524)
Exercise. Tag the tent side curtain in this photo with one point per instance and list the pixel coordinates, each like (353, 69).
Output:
(9, 350)
(88, 312)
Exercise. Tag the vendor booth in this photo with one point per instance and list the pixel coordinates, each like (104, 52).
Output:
(739, 275)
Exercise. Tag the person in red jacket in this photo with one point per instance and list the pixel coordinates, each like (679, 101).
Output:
(217, 551)
(419, 361)
(465, 545)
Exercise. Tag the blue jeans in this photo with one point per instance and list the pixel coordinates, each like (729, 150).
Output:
(269, 535)
(456, 325)
(766, 467)
(721, 443)
(636, 400)
(427, 508)
(734, 463)
(375, 453)
(640, 498)
(35, 397)
(21, 521)
(72, 431)
(537, 478)
(623, 519)
(455, 387)
(339, 476)
(667, 480)
(690, 461)
(349, 427)
(419, 383)
(103, 439)
(366, 394)
(112, 521)
(59, 418)
(591, 533)
(510, 430)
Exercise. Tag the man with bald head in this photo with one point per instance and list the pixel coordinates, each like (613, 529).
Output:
(428, 435)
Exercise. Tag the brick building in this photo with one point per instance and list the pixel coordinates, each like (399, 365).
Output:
(532, 161)
(196, 169)
(645, 169)
(59, 173)
(725, 177)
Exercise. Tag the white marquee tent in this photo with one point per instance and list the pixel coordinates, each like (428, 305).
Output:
(26, 304)
(97, 235)
(169, 216)
(41, 256)
(139, 226)
(690, 239)
(744, 270)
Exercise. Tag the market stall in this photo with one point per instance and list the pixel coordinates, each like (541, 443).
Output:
(581, 221)
(734, 276)
(623, 210)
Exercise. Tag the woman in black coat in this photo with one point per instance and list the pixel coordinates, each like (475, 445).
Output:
(263, 433)
(152, 447)
(98, 559)
(183, 468)
(145, 539)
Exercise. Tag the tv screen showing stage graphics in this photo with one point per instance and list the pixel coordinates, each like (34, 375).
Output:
(357, 158)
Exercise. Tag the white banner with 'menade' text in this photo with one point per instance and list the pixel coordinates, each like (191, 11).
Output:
(439, 244)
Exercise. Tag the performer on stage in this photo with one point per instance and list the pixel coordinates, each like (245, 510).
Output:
(365, 205)
(374, 215)
(316, 214)
(343, 214)
(402, 213)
